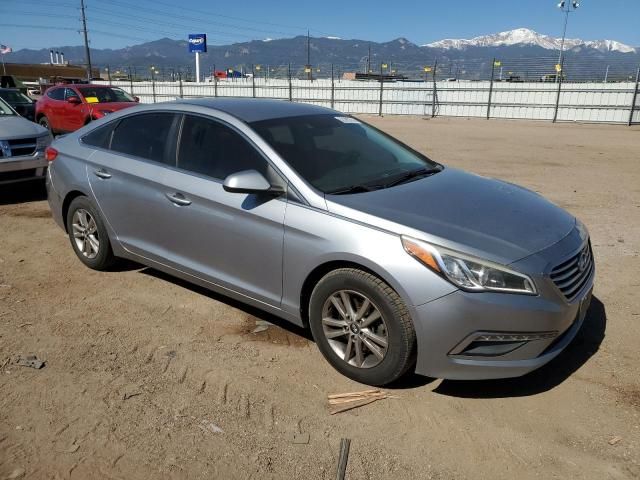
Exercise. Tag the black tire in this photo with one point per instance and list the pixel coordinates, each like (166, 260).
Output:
(401, 337)
(103, 259)
(44, 122)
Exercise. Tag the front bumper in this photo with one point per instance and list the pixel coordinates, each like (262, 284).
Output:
(474, 336)
(17, 169)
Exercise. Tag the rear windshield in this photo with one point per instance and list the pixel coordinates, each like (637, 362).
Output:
(104, 95)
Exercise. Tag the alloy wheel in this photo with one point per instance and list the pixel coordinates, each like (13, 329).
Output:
(355, 329)
(85, 233)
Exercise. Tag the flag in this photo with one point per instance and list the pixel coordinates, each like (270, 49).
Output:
(4, 49)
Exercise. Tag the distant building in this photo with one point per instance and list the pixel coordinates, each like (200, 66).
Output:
(33, 72)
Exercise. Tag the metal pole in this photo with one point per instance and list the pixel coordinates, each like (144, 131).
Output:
(130, 82)
(180, 84)
(109, 74)
(606, 74)
(332, 88)
(381, 90)
(290, 92)
(635, 97)
(197, 67)
(87, 53)
(253, 81)
(435, 92)
(561, 75)
(493, 67)
(215, 81)
(153, 84)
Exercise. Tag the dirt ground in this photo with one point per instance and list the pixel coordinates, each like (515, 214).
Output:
(142, 369)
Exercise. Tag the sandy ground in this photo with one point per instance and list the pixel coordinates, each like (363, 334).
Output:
(141, 367)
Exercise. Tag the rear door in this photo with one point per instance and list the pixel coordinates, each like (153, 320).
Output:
(74, 114)
(53, 107)
(127, 175)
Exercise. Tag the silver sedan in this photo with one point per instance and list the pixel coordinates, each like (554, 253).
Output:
(395, 262)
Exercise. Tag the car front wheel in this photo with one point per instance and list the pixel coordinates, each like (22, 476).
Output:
(362, 326)
(44, 122)
(88, 235)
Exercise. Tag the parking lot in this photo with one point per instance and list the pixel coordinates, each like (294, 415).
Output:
(150, 377)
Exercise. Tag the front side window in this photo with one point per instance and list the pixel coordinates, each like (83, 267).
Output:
(339, 154)
(56, 93)
(104, 95)
(147, 135)
(210, 148)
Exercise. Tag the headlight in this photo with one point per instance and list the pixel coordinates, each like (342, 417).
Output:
(467, 272)
(43, 142)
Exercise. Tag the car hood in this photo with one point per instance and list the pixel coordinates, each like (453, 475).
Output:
(14, 126)
(113, 106)
(490, 218)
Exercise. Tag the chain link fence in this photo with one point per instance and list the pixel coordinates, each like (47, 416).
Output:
(523, 88)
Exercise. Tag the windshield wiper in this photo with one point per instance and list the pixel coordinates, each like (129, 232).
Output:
(350, 189)
(412, 175)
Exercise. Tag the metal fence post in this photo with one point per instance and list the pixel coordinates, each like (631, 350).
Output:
(109, 74)
(381, 90)
(290, 92)
(635, 97)
(332, 88)
(434, 95)
(130, 82)
(560, 76)
(180, 84)
(493, 69)
(153, 85)
(253, 81)
(215, 81)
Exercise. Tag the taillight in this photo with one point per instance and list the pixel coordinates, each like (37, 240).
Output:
(50, 154)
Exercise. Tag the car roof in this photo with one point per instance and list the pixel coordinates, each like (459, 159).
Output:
(257, 109)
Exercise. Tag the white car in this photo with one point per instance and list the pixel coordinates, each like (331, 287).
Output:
(22, 145)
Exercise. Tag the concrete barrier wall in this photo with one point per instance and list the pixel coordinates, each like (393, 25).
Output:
(581, 102)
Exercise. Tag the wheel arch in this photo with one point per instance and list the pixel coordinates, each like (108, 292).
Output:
(70, 197)
(323, 269)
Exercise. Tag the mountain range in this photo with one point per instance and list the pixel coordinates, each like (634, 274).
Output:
(472, 56)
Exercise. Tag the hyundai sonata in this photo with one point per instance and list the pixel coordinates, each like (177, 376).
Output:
(396, 263)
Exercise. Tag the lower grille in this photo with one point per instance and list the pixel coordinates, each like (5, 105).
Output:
(571, 275)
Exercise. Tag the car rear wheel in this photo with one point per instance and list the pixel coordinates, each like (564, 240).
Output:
(88, 235)
(362, 326)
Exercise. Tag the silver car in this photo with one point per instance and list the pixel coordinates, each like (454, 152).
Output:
(395, 262)
(22, 146)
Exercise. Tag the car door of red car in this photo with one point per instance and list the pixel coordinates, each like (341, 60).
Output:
(73, 114)
(52, 105)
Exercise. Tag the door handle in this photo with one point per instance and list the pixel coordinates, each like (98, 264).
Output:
(178, 199)
(102, 173)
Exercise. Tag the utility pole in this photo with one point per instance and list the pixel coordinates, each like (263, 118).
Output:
(308, 66)
(87, 54)
(566, 7)
(369, 61)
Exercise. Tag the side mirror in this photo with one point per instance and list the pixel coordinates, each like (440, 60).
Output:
(248, 181)
(137, 99)
(74, 100)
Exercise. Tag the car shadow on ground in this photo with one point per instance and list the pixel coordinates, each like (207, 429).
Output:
(582, 348)
(289, 327)
(23, 192)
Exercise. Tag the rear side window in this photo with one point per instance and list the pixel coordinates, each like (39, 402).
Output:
(100, 137)
(210, 148)
(56, 93)
(148, 135)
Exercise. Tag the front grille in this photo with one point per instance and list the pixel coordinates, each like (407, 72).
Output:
(22, 146)
(571, 275)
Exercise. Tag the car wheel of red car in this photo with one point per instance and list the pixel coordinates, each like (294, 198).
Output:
(44, 121)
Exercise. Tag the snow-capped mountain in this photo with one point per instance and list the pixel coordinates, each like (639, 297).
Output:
(525, 36)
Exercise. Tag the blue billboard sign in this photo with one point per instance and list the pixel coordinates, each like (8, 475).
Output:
(198, 42)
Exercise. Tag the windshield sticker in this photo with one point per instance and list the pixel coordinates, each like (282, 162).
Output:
(347, 120)
(92, 99)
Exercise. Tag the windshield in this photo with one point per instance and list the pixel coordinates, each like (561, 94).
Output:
(104, 95)
(339, 154)
(5, 109)
(14, 96)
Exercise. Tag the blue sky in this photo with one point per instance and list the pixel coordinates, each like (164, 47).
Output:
(117, 23)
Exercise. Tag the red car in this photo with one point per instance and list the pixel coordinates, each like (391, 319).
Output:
(65, 108)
